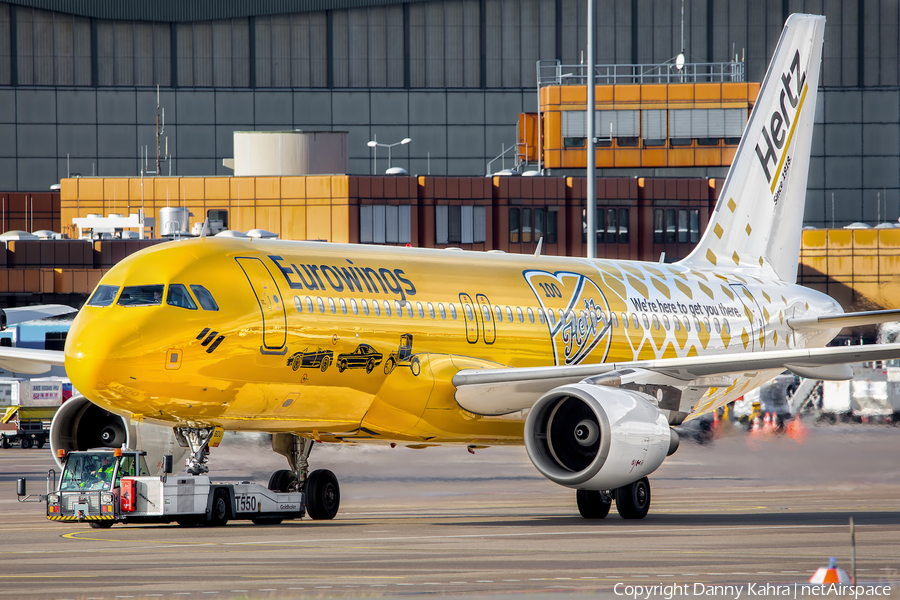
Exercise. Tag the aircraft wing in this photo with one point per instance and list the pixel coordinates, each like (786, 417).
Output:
(30, 360)
(503, 391)
(848, 320)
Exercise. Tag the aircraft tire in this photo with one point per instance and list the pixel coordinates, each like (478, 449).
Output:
(591, 504)
(25, 443)
(280, 481)
(101, 524)
(633, 500)
(323, 495)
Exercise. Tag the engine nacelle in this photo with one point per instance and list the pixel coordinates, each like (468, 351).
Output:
(596, 437)
(80, 424)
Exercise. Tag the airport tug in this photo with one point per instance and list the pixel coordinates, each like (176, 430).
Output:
(107, 486)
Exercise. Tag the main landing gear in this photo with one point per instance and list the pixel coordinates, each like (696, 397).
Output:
(632, 501)
(323, 494)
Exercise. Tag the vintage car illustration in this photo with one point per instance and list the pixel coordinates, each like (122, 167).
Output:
(403, 357)
(320, 358)
(364, 357)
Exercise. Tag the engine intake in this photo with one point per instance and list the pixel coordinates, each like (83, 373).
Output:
(596, 437)
(80, 424)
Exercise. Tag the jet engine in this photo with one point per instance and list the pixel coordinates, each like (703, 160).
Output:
(596, 437)
(81, 425)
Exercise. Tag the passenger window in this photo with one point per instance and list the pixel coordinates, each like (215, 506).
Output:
(331, 305)
(655, 323)
(562, 316)
(614, 319)
(104, 295)
(298, 304)
(431, 310)
(204, 297)
(321, 304)
(397, 308)
(343, 306)
(541, 315)
(665, 321)
(178, 296)
(687, 324)
(420, 310)
(602, 319)
(697, 324)
(469, 314)
(520, 314)
(677, 323)
(634, 321)
(530, 315)
(726, 326)
(646, 321)
(376, 308)
(486, 312)
(509, 315)
(365, 307)
(387, 308)
(452, 311)
(409, 309)
(354, 307)
(499, 313)
(309, 304)
(550, 317)
(625, 323)
(442, 310)
(141, 295)
(718, 327)
(706, 325)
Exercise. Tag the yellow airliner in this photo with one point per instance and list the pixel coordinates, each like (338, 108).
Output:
(587, 362)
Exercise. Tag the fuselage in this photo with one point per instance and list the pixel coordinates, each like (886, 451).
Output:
(359, 343)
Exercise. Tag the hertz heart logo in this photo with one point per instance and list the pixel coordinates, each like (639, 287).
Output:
(575, 310)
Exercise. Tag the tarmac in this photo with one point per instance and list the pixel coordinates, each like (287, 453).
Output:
(736, 511)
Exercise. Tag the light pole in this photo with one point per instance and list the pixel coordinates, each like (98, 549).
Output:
(374, 144)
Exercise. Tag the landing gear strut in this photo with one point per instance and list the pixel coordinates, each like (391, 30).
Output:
(323, 494)
(197, 439)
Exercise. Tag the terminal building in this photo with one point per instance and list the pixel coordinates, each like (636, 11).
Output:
(78, 87)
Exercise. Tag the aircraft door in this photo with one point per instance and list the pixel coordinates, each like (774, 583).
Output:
(490, 333)
(270, 302)
(468, 311)
(753, 314)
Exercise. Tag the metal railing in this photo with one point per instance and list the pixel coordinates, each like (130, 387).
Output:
(517, 161)
(552, 72)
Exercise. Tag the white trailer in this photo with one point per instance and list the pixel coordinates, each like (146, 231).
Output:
(103, 487)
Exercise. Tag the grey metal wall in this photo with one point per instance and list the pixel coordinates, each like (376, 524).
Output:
(102, 130)
(451, 74)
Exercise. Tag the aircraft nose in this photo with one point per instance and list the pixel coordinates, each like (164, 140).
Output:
(103, 353)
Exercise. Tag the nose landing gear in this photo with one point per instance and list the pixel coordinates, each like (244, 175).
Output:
(323, 494)
(197, 439)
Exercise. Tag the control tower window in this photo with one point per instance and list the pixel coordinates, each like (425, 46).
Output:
(141, 295)
(104, 295)
(204, 297)
(179, 296)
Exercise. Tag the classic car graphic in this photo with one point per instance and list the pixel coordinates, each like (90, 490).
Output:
(320, 358)
(364, 357)
(403, 357)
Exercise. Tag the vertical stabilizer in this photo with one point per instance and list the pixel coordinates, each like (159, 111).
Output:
(759, 215)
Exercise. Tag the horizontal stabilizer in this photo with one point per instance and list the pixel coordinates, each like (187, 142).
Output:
(840, 321)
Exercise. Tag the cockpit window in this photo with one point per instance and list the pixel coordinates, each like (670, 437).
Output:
(141, 295)
(104, 295)
(204, 297)
(178, 296)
